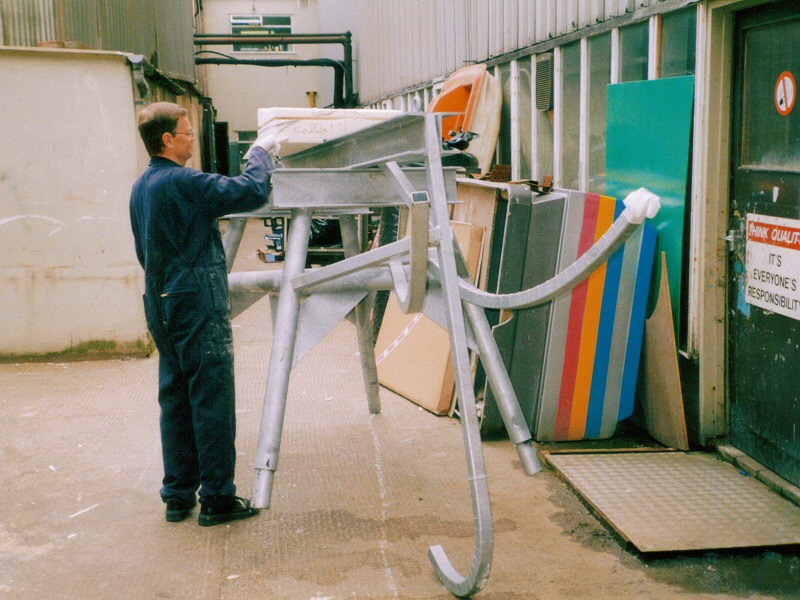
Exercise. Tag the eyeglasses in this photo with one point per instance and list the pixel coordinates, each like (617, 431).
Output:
(190, 133)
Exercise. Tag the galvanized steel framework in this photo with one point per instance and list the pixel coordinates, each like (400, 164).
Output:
(345, 177)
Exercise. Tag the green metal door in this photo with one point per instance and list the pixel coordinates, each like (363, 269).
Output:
(764, 257)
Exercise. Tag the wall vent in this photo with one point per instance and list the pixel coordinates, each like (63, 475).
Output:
(544, 81)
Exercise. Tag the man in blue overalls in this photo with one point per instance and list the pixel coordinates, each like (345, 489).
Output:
(174, 212)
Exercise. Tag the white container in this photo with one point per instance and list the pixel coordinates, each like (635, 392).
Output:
(306, 127)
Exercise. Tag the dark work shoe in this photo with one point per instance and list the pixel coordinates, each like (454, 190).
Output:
(178, 510)
(216, 510)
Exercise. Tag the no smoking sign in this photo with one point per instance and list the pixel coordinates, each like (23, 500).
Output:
(785, 93)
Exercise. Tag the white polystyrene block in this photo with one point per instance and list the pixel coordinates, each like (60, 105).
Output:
(306, 127)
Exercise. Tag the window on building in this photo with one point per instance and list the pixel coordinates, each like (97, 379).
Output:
(634, 41)
(525, 118)
(570, 114)
(504, 139)
(599, 78)
(678, 34)
(245, 25)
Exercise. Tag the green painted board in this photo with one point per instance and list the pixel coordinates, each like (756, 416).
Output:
(649, 145)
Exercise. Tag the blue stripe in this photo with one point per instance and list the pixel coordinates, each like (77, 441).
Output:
(605, 330)
(638, 312)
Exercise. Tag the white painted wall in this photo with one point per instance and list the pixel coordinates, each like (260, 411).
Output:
(239, 91)
(70, 153)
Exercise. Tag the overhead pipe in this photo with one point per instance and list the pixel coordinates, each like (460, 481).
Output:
(340, 72)
(345, 39)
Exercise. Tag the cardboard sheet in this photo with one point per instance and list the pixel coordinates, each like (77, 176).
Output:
(413, 352)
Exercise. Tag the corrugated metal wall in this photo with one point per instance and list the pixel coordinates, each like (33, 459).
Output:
(26, 23)
(160, 30)
(405, 43)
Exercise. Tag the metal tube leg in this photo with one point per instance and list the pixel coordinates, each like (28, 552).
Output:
(481, 510)
(232, 239)
(507, 400)
(280, 361)
(366, 348)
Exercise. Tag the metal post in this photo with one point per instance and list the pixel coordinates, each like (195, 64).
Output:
(280, 360)
(366, 348)
(505, 396)
(481, 510)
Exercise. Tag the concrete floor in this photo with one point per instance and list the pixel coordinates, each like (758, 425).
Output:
(358, 499)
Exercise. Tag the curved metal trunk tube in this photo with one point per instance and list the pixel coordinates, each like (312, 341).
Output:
(564, 281)
(481, 511)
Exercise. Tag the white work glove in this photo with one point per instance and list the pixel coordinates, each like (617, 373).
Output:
(270, 143)
(641, 204)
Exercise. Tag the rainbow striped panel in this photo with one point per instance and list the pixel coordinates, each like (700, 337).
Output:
(577, 309)
(595, 335)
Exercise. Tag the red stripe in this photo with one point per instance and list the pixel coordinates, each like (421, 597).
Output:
(773, 234)
(575, 327)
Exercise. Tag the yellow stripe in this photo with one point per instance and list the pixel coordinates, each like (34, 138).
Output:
(591, 323)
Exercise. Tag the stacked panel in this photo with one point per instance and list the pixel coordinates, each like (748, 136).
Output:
(573, 361)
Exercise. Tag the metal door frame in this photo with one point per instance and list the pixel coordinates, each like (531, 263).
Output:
(711, 195)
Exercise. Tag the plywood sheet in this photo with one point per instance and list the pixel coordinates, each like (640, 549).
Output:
(662, 400)
(478, 206)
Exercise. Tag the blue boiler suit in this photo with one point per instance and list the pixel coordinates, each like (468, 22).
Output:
(174, 212)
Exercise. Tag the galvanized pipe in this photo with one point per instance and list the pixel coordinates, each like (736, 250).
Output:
(611, 241)
(209, 39)
(481, 509)
(339, 70)
(280, 360)
(345, 39)
(506, 397)
(366, 348)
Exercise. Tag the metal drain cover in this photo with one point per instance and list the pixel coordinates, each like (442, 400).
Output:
(676, 501)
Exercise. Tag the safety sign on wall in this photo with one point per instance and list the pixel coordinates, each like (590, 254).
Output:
(773, 264)
(785, 93)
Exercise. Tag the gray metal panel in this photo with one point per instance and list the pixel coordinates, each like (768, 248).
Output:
(584, 16)
(174, 36)
(566, 13)
(512, 25)
(26, 22)
(393, 137)
(523, 23)
(334, 188)
(547, 409)
(495, 28)
(460, 25)
(530, 342)
(443, 48)
(127, 26)
(511, 271)
(77, 21)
